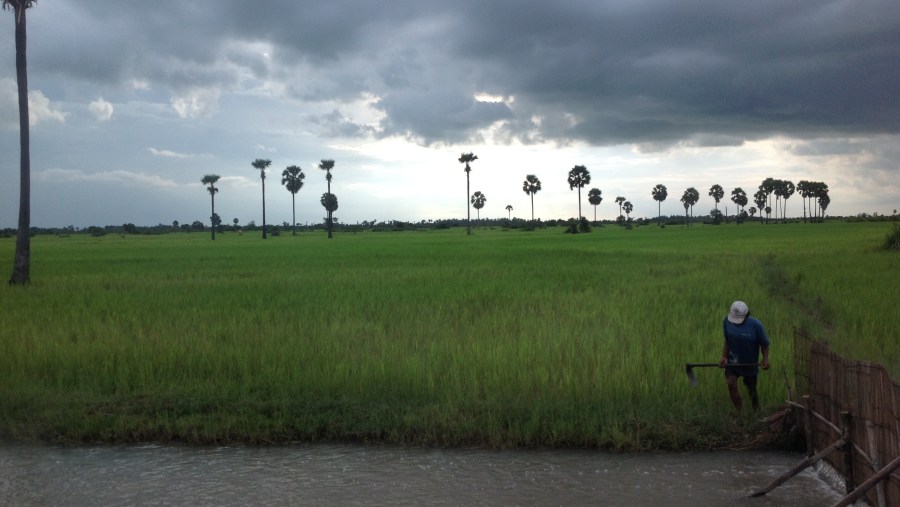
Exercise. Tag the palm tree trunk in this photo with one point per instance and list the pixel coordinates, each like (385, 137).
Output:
(468, 207)
(264, 206)
(579, 203)
(22, 262)
(212, 217)
(293, 214)
(532, 207)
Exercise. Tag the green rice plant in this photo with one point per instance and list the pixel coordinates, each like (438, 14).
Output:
(892, 239)
(431, 337)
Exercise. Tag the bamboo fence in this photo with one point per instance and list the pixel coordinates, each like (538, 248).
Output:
(856, 402)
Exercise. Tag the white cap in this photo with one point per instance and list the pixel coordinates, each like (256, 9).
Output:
(738, 312)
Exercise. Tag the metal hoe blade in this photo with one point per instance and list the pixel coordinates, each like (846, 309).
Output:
(690, 373)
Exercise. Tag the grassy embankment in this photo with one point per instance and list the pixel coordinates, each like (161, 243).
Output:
(505, 338)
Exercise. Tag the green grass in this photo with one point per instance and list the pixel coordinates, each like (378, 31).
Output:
(504, 338)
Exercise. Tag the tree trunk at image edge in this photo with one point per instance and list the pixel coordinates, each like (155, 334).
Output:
(22, 262)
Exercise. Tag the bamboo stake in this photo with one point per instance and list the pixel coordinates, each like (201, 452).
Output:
(808, 426)
(850, 477)
(876, 462)
(800, 467)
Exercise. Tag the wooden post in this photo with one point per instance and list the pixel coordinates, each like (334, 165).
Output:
(876, 462)
(846, 424)
(808, 426)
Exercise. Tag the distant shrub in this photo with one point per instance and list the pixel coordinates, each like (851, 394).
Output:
(96, 231)
(576, 226)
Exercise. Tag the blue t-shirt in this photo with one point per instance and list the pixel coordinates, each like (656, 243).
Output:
(744, 341)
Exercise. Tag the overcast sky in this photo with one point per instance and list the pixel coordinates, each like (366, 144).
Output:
(132, 103)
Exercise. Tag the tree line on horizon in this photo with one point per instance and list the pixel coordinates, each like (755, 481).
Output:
(815, 196)
(396, 225)
(814, 193)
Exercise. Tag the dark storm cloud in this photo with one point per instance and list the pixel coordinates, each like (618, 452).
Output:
(604, 72)
(654, 71)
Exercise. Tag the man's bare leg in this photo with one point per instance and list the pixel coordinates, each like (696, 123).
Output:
(754, 394)
(733, 391)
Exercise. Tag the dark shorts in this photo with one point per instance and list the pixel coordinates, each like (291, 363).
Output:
(749, 380)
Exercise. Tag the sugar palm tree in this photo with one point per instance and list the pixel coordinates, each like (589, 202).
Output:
(509, 209)
(595, 197)
(478, 200)
(330, 203)
(619, 201)
(628, 208)
(21, 273)
(685, 200)
(824, 201)
(292, 179)
(768, 186)
(262, 164)
(803, 190)
(467, 158)
(787, 190)
(717, 193)
(739, 197)
(327, 165)
(210, 180)
(689, 199)
(531, 186)
(759, 198)
(579, 176)
(816, 191)
(659, 193)
(693, 196)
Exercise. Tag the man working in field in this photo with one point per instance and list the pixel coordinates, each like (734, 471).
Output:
(745, 337)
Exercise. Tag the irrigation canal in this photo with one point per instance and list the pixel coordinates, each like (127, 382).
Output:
(386, 475)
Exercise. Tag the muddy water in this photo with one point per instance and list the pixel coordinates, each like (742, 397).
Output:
(363, 475)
